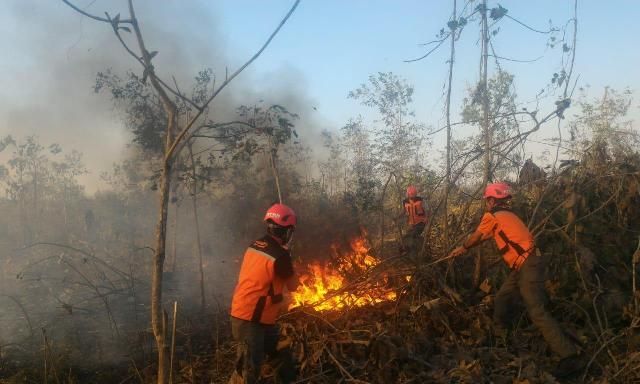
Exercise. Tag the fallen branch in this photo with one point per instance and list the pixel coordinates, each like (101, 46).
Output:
(342, 369)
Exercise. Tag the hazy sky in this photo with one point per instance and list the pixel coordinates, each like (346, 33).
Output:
(329, 47)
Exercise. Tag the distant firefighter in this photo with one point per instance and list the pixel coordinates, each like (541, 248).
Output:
(416, 213)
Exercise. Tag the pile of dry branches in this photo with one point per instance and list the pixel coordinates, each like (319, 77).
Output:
(445, 337)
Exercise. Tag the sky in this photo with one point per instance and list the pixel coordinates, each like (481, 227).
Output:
(325, 50)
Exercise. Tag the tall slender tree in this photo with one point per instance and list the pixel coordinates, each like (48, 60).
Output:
(175, 138)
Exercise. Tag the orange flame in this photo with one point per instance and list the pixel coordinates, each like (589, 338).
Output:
(321, 284)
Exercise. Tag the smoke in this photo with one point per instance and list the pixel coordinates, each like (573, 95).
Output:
(55, 55)
(48, 80)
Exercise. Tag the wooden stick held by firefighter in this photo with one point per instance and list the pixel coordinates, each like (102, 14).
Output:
(266, 271)
(525, 282)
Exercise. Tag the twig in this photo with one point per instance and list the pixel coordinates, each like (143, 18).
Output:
(135, 366)
(530, 28)
(342, 369)
(634, 266)
(429, 52)
(89, 255)
(47, 353)
(517, 60)
(629, 361)
(173, 341)
(102, 296)
(24, 311)
(312, 377)
(602, 347)
(125, 21)
(44, 352)
(439, 261)
(312, 315)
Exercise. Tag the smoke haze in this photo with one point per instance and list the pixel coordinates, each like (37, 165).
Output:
(54, 54)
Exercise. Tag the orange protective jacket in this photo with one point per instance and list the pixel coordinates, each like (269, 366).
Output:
(266, 266)
(414, 209)
(511, 235)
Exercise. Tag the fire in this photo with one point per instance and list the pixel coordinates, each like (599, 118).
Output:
(321, 285)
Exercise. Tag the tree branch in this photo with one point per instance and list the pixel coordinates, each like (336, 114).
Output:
(184, 131)
(530, 28)
(77, 9)
(132, 21)
(430, 52)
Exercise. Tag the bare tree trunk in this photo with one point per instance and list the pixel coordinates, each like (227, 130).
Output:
(274, 169)
(65, 213)
(158, 319)
(23, 214)
(36, 213)
(157, 322)
(174, 243)
(485, 97)
(485, 121)
(567, 80)
(384, 191)
(447, 185)
(194, 202)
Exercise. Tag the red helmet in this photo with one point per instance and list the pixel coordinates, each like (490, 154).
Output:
(498, 191)
(281, 215)
(412, 191)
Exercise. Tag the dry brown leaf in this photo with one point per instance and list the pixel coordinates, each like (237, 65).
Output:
(485, 286)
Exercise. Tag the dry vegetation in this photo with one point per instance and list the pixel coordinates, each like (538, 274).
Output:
(88, 283)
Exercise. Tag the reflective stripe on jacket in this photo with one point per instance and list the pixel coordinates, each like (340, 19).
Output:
(414, 209)
(512, 237)
(258, 294)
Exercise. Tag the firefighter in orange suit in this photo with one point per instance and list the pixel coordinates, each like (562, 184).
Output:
(526, 279)
(266, 271)
(416, 213)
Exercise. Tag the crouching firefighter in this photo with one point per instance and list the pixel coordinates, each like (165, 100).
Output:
(525, 282)
(414, 210)
(266, 271)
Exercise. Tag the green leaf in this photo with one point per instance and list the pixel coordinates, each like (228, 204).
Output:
(125, 29)
(152, 54)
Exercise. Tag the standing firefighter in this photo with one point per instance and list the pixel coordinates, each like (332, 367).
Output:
(414, 209)
(266, 270)
(526, 279)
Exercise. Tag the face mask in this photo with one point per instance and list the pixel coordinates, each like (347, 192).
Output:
(284, 234)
